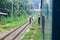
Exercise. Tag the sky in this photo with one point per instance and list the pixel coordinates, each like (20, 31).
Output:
(36, 2)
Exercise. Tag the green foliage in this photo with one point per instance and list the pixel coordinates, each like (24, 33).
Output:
(19, 7)
(19, 15)
(5, 6)
(9, 23)
(34, 33)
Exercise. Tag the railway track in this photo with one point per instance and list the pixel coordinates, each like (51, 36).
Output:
(17, 33)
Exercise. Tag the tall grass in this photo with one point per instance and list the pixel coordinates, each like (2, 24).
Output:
(10, 23)
(34, 33)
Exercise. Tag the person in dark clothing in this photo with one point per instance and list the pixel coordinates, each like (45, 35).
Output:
(39, 20)
(30, 20)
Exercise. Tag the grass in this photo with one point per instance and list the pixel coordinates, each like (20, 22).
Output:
(9, 23)
(34, 33)
(0, 31)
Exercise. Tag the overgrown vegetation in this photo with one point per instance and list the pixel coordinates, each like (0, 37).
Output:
(17, 10)
(8, 24)
(14, 7)
(35, 32)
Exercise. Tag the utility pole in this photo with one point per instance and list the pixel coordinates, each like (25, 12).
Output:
(41, 8)
(41, 22)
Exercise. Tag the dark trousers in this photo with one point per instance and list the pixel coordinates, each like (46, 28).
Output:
(38, 20)
(30, 20)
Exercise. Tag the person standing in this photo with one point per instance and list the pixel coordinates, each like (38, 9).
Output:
(39, 20)
(30, 19)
